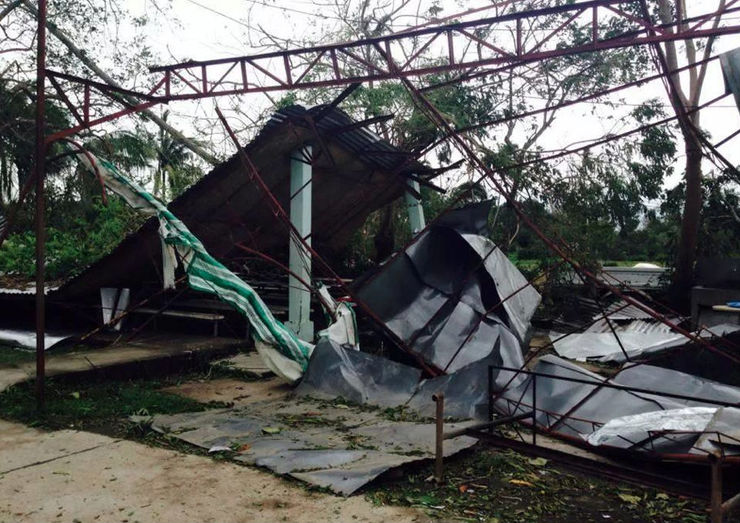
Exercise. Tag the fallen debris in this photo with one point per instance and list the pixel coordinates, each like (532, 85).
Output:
(453, 297)
(309, 440)
(575, 403)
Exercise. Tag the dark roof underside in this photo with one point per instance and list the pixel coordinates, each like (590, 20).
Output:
(354, 173)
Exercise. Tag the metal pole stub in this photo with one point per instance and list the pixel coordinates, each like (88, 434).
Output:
(439, 437)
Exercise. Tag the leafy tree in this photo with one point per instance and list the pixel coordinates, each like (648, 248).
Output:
(175, 172)
(80, 228)
(685, 95)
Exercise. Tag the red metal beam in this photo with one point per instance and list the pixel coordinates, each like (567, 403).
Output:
(345, 63)
(467, 49)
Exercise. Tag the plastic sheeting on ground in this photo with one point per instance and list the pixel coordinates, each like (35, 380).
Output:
(283, 351)
(26, 339)
(442, 296)
(338, 448)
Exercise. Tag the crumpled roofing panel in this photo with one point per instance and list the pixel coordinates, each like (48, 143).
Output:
(442, 295)
(577, 410)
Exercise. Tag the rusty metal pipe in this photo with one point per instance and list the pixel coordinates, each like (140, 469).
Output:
(439, 437)
(38, 173)
(715, 497)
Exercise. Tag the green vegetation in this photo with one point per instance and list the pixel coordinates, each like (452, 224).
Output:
(10, 357)
(99, 407)
(73, 246)
(501, 486)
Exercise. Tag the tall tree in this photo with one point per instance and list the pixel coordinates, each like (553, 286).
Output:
(685, 97)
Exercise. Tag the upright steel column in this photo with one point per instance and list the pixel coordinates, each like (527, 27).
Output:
(299, 298)
(414, 208)
(38, 173)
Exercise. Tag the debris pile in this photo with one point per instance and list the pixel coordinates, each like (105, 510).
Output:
(459, 313)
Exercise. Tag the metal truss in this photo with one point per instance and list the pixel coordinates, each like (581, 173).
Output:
(463, 46)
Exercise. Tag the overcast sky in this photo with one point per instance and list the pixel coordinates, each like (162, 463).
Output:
(203, 29)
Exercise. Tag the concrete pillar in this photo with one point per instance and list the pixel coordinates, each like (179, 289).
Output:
(299, 298)
(414, 208)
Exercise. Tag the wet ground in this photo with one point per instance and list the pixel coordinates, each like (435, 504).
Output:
(78, 476)
(113, 471)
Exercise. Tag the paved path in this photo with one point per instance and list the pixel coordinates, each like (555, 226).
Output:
(147, 349)
(70, 476)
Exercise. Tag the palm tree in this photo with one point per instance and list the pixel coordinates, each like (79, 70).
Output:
(174, 170)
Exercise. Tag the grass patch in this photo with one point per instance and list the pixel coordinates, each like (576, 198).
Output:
(99, 406)
(11, 356)
(504, 486)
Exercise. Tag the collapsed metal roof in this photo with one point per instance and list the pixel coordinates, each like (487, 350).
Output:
(355, 172)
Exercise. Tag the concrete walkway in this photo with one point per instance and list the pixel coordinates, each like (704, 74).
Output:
(70, 476)
(144, 350)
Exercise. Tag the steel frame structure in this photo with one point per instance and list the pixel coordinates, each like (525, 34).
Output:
(465, 46)
(349, 63)
(619, 469)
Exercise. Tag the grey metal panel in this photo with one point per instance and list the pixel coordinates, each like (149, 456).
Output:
(731, 72)
(325, 455)
(362, 378)
(441, 296)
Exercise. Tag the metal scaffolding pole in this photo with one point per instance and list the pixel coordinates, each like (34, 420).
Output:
(38, 173)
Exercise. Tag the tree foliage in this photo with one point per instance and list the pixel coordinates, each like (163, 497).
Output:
(608, 201)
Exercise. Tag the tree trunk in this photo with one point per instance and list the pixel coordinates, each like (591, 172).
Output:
(684, 276)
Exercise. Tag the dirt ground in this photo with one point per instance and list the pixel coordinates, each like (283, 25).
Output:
(74, 476)
(109, 469)
(232, 391)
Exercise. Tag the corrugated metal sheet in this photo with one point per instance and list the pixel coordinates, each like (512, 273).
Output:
(364, 144)
(29, 290)
(621, 310)
(641, 326)
(624, 317)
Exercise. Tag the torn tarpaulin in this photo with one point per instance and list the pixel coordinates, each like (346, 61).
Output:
(443, 295)
(283, 352)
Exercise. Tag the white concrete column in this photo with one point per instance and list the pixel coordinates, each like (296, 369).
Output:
(299, 298)
(414, 208)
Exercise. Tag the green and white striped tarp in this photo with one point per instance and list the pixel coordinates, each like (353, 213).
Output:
(205, 273)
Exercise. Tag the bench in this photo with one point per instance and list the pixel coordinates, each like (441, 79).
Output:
(205, 316)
